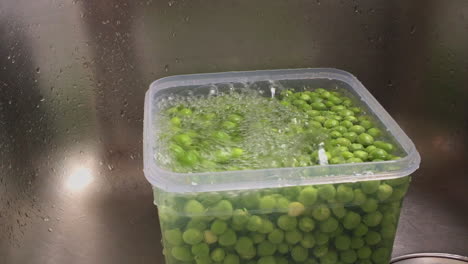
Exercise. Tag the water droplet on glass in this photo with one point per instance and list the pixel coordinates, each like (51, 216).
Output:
(318, 2)
(187, 19)
(46, 219)
(50, 229)
(412, 30)
(105, 22)
(166, 67)
(173, 34)
(38, 70)
(171, 3)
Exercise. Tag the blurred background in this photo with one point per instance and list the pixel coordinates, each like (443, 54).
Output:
(73, 75)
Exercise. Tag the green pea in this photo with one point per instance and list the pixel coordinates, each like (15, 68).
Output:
(344, 194)
(326, 192)
(378, 154)
(370, 205)
(197, 223)
(335, 134)
(364, 253)
(236, 152)
(193, 207)
(370, 187)
(293, 237)
(315, 124)
(287, 223)
(203, 260)
(348, 256)
(352, 119)
(355, 147)
(360, 230)
(318, 106)
(352, 136)
(320, 119)
(244, 245)
(381, 255)
(342, 242)
(340, 129)
(210, 237)
(254, 223)
(192, 236)
(347, 102)
(267, 260)
(308, 196)
(218, 254)
(339, 210)
(330, 258)
(231, 259)
(176, 121)
(267, 203)
(306, 224)
(174, 236)
(356, 110)
(343, 142)
(299, 254)
(337, 160)
(357, 242)
(366, 124)
(201, 249)
(308, 241)
(365, 139)
(359, 197)
(221, 136)
(228, 238)
(325, 94)
(321, 238)
(295, 209)
(183, 140)
(258, 238)
(266, 248)
(276, 236)
(283, 248)
(313, 113)
(321, 212)
(361, 154)
(282, 204)
(354, 160)
(320, 251)
(347, 155)
(370, 148)
(330, 123)
(181, 253)
(351, 220)
(375, 132)
(372, 238)
(218, 227)
(373, 219)
(240, 217)
(335, 99)
(357, 129)
(222, 210)
(384, 192)
(346, 112)
(266, 227)
(329, 225)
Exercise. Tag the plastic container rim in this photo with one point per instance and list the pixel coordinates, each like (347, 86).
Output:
(163, 179)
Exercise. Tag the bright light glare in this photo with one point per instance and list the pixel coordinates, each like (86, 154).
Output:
(79, 179)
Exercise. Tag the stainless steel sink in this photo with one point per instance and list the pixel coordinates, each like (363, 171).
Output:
(73, 76)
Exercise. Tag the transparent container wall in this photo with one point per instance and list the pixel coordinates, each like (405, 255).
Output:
(327, 224)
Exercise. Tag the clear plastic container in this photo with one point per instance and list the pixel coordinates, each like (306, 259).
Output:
(343, 213)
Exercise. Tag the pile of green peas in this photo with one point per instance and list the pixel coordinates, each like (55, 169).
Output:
(327, 224)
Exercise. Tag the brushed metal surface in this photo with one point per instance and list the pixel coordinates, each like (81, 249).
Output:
(73, 76)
